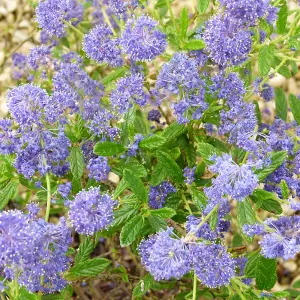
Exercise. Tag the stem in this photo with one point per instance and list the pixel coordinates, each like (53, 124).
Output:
(187, 204)
(107, 20)
(73, 27)
(48, 197)
(288, 58)
(171, 14)
(195, 287)
(237, 289)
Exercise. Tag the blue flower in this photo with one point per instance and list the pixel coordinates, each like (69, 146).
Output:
(98, 168)
(100, 45)
(227, 41)
(232, 180)
(129, 90)
(213, 265)
(90, 211)
(26, 103)
(51, 13)
(158, 194)
(181, 72)
(142, 40)
(164, 256)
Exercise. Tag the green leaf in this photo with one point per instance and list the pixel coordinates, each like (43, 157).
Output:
(251, 265)
(159, 174)
(8, 192)
(282, 18)
(295, 107)
(108, 149)
(170, 167)
(84, 251)
(199, 198)
(245, 215)
(265, 59)
(157, 223)
(162, 3)
(164, 212)
(296, 284)
(143, 286)
(136, 185)
(152, 142)
(194, 45)
(25, 295)
(121, 187)
(89, 268)
(265, 273)
(284, 189)
(183, 22)
(135, 166)
(114, 75)
(277, 159)
(207, 151)
(173, 131)
(76, 162)
(131, 230)
(281, 103)
(123, 214)
(202, 6)
(267, 201)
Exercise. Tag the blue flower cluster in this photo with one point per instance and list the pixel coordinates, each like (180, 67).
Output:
(91, 211)
(166, 257)
(33, 251)
(158, 194)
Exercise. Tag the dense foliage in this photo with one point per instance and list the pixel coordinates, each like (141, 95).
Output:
(144, 122)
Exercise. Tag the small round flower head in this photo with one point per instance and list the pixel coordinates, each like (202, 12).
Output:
(99, 45)
(26, 103)
(19, 66)
(133, 148)
(248, 11)
(284, 241)
(72, 58)
(226, 40)
(39, 56)
(158, 194)
(90, 211)
(189, 175)
(272, 14)
(191, 107)
(49, 257)
(129, 90)
(51, 13)
(234, 180)
(51, 155)
(266, 91)
(33, 209)
(98, 168)
(164, 256)
(141, 39)
(8, 137)
(65, 189)
(15, 237)
(200, 57)
(154, 115)
(252, 229)
(120, 7)
(181, 72)
(213, 265)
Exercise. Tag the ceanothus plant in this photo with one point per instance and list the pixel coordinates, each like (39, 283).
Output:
(142, 126)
